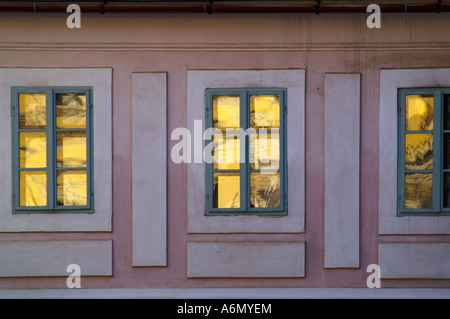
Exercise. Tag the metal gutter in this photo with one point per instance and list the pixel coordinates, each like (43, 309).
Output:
(211, 7)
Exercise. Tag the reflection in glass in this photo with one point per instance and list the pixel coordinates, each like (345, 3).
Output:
(419, 151)
(33, 188)
(71, 188)
(226, 190)
(265, 150)
(226, 151)
(265, 190)
(71, 110)
(446, 191)
(33, 149)
(71, 149)
(446, 155)
(32, 110)
(418, 190)
(265, 111)
(226, 111)
(419, 112)
(447, 111)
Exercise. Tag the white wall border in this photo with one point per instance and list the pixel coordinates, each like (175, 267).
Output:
(101, 80)
(245, 259)
(342, 166)
(149, 123)
(294, 81)
(228, 293)
(390, 82)
(414, 260)
(40, 258)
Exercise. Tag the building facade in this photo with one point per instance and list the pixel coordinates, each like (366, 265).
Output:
(105, 151)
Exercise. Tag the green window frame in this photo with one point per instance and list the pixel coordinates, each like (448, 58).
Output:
(260, 189)
(423, 179)
(52, 150)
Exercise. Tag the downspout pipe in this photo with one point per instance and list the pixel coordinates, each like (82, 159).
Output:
(211, 7)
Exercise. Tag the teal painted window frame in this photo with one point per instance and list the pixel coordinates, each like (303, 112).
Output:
(51, 169)
(438, 170)
(244, 169)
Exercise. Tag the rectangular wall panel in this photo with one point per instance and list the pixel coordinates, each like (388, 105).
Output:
(342, 156)
(51, 258)
(149, 99)
(246, 259)
(414, 260)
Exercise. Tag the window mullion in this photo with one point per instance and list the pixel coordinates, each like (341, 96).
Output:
(51, 150)
(401, 152)
(89, 150)
(15, 150)
(283, 147)
(438, 139)
(244, 152)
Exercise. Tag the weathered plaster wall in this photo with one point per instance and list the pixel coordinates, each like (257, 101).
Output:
(177, 43)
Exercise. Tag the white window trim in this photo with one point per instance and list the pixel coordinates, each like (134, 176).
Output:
(390, 82)
(101, 81)
(294, 81)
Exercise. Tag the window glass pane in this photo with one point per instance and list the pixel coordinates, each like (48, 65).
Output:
(446, 155)
(32, 111)
(447, 111)
(33, 149)
(265, 190)
(419, 112)
(33, 188)
(446, 190)
(71, 149)
(418, 190)
(265, 111)
(71, 188)
(419, 151)
(226, 190)
(71, 110)
(226, 111)
(226, 151)
(265, 150)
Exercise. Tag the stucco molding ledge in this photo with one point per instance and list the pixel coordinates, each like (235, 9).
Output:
(228, 293)
(338, 46)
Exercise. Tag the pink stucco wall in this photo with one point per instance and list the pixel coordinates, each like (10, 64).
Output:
(175, 44)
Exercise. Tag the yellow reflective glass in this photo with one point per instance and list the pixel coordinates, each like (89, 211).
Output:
(71, 149)
(226, 190)
(265, 150)
(265, 190)
(419, 112)
(33, 188)
(265, 111)
(226, 111)
(71, 188)
(33, 149)
(226, 151)
(32, 110)
(418, 190)
(71, 110)
(419, 151)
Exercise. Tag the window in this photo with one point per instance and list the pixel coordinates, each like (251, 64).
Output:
(245, 140)
(52, 149)
(424, 152)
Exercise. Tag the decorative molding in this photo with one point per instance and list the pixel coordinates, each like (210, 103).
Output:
(51, 258)
(338, 46)
(149, 107)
